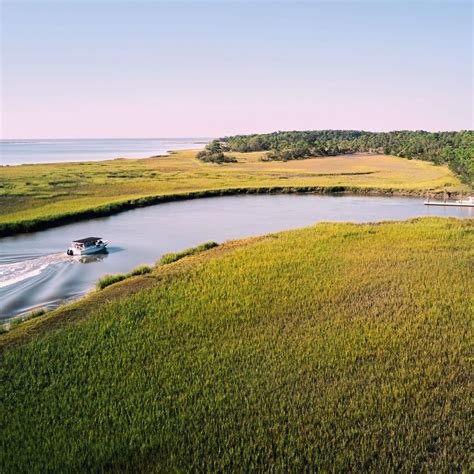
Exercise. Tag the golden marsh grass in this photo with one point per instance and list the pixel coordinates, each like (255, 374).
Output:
(340, 347)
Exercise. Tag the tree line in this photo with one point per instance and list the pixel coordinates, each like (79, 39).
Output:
(453, 148)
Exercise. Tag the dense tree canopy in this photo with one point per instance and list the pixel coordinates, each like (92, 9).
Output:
(214, 153)
(453, 148)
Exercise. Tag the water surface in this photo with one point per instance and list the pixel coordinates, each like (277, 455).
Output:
(17, 152)
(36, 272)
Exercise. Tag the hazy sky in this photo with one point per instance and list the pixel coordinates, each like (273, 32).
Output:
(109, 68)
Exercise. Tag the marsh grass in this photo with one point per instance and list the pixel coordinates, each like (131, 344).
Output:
(174, 257)
(36, 313)
(108, 280)
(336, 348)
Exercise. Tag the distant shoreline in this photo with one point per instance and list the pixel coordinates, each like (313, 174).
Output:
(69, 150)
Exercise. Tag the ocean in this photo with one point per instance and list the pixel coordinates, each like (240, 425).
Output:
(29, 151)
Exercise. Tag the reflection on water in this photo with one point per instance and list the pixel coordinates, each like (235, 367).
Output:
(96, 257)
(36, 272)
(110, 249)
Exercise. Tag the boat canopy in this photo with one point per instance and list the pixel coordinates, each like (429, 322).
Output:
(87, 240)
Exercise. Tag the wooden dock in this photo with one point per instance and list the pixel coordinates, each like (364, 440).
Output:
(469, 202)
(448, 203)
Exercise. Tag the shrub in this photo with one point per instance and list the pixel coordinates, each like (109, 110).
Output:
(214, 153)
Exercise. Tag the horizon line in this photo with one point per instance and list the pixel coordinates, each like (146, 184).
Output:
(199, 137)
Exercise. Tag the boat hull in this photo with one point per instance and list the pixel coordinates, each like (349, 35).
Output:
(87, 251)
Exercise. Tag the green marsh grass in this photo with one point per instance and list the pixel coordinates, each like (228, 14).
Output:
(35, 313)
(339, 347)
(108, 280)
(174, 257)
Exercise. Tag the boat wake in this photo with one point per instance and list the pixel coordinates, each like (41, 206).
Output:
(12, 273)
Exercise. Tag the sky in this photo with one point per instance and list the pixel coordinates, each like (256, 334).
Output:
(113, 68)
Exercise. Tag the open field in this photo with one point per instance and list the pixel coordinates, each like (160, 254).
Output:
(339, 347)
(36, 196)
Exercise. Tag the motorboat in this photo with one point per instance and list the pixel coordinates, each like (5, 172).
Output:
(87, 246)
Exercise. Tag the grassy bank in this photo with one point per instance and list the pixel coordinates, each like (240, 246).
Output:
(340, 347)
(34, 197)
(166, 259)
(108, 280)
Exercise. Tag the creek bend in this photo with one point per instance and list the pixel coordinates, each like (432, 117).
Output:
(35, 271)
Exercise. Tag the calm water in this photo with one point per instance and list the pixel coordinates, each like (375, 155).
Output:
(36, 272)
(17, 152)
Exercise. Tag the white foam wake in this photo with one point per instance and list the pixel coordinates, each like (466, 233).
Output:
(12, 273)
